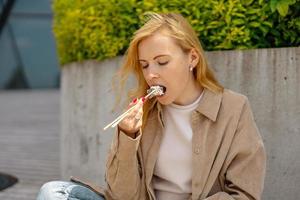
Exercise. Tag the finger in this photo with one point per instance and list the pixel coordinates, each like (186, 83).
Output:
(139, 113)
(131, 116)
(139, 124)
(134, 118)
(133, 102)
(138, 109)
(138, 116)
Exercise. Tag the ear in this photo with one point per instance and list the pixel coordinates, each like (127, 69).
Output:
(193, 57)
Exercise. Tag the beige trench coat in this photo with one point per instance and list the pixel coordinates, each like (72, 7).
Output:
(229, 158)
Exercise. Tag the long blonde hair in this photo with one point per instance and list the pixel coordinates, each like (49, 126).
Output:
(177, 27)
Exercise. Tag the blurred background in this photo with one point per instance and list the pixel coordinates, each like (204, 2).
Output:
(29, 98)
(28, 54)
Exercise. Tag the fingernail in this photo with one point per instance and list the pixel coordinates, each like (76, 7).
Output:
(134, 100)
(143, 99)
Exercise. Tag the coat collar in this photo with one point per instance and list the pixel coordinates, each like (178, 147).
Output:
(209, 106)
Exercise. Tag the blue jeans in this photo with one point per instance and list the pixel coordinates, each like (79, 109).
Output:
(64, 190)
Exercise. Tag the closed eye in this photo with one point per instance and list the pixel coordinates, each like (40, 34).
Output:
(163, 63)
(144, 66)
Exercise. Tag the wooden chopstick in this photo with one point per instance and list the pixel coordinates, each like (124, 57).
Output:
(122, 116)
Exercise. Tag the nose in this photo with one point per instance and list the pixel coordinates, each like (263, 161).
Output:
(153, 75)
(151, 72)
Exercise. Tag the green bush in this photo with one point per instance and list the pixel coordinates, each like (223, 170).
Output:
(100, 29)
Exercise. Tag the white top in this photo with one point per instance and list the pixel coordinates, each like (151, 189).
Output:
(172, 178)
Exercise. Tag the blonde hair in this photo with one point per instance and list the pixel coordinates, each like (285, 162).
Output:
(177, 27)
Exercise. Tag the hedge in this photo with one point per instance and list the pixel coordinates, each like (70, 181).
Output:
(100, 29)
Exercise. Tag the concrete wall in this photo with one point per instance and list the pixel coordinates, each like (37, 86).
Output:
(269, 77)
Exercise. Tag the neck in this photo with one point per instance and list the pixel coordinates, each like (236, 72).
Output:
(190, 95)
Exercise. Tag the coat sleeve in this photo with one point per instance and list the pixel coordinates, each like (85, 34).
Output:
(245, 165)
(123, 174)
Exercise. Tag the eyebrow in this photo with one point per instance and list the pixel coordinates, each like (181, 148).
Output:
(155, 57)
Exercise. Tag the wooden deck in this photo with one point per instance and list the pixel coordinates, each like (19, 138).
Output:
(29, 140)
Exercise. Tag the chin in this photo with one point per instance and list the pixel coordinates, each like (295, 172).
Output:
(164, 101)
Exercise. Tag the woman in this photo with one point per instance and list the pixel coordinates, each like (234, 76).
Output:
(197, 141)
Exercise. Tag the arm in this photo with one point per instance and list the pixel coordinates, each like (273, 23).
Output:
(122, 168)
(245, 164)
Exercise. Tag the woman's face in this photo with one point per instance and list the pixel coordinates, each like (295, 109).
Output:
(164, 63)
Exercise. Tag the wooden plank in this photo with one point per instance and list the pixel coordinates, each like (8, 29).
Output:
(29, 140)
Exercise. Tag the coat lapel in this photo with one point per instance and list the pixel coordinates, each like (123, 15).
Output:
(206, 141)
(152, 137)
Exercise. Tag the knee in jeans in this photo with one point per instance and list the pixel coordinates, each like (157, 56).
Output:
(49, 187)
(50, 184)
(54, 189)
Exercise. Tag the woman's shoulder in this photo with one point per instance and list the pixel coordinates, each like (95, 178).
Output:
(233, 101)
(233, 96)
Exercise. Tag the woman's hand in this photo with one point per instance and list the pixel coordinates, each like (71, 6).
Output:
(131, 124)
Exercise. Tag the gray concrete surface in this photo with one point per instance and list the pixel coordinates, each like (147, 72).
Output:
(269, 77)
(271, 80)
(29, 140)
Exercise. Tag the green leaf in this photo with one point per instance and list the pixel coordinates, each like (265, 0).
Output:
(253, 11)
(283, 9)
(264, 29)
(238, 21)
(267, 23)
(228, 19)
(254, 24)
(248, 2)
(273, 5)
(240, 15)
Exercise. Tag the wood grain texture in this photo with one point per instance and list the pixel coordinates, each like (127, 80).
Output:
(29, 140)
